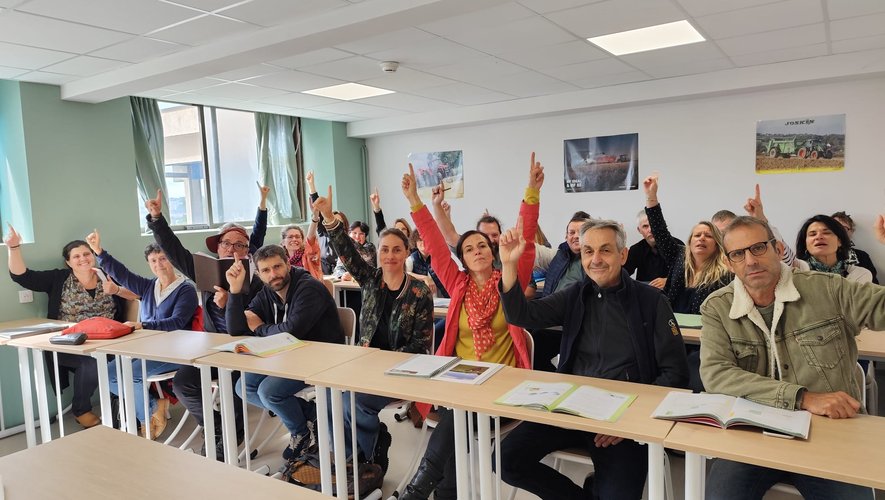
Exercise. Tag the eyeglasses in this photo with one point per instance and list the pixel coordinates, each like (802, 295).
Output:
(757, 249)
(228, 245)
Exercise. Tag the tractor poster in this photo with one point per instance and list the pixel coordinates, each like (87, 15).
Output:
(797, 145)
(604, 163)
(437, 167)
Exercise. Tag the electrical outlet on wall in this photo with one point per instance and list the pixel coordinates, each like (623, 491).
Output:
(25, 296)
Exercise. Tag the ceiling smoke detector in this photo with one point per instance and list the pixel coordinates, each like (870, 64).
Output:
(389, 66)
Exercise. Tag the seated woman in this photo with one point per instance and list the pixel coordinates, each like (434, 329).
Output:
(396, 315)
(301, 252)
(168, 302)
(856, 256)
(476, 328)
(823, 245)
(696, 269)
(418, 265)
(74, 295)
(381, 224)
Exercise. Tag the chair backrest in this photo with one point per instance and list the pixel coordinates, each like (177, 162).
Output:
(132, 308)
(530, 347)
(348, 324)
(329, 286)
(860, 379)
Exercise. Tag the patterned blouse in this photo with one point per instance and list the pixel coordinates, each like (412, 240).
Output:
(77, 304)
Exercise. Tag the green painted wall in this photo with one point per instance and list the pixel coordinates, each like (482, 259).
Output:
(336, 160)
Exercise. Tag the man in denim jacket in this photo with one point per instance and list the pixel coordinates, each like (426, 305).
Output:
(784, 338)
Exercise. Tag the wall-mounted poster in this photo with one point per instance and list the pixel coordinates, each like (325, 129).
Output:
(604, 163)
(439, 166)
(795, 145)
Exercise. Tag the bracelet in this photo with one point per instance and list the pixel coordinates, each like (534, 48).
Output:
(315, 221)
(13, 248)
(331, 225)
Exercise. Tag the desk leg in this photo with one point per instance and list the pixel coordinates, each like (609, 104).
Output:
(228, 424)
(24, 372)
(121, 394)
(42, 401)
(656, 471)
(128, 398)
(247, 442)
(146, 425)
(338, 433)
(208, 412)
(461, 458)
(58, 407)
(104, 393)
(486, 481)
(354, 446)
(695, 472)
(324, 437)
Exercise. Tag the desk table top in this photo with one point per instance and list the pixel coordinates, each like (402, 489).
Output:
(179, 346)
(299, 363)
(42, 342)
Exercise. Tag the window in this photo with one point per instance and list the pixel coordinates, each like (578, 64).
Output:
(211, 165)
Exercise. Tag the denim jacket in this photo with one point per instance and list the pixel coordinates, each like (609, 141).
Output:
(816, 316)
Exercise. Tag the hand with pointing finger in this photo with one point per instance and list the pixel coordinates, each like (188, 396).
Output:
(753, 207)
(323, 206)
(154, 206)
(94, 240)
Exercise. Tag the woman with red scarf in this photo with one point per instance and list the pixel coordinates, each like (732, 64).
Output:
(476, 328)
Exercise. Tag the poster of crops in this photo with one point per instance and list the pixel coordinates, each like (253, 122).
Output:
(437, 167)
(796, 145)
(604, 163)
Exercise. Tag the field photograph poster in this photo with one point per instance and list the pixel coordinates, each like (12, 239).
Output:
(796, 145)
(437, 167)
(604, 163)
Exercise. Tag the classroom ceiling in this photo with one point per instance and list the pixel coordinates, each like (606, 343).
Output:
(461, 61)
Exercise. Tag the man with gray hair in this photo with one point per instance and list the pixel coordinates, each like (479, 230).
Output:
(643, 258)
(613, 327)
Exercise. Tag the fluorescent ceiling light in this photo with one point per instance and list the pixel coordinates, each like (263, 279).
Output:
(348, 91)
(651, 38)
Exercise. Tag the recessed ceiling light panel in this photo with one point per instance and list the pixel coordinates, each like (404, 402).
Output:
(650, 38)
(348, 91)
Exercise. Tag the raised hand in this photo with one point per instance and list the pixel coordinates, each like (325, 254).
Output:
(94, 240)
(448, 209)
(511, 244)
(878, 227)
(375, 198)
(753, 207)
(650, 184)
(438, 194)
(310, 184)
(13, 239)
(236, 277)
(410, 186)
(536, 173)
(263, 191)
(323, 206)
(154, 206)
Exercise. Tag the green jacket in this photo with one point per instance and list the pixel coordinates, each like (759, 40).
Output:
(817, 318)
(411, 321)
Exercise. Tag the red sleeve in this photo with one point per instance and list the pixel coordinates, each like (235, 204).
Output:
(529, 214)
(440, 256)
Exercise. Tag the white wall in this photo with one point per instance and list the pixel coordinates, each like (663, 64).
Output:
(702, 148)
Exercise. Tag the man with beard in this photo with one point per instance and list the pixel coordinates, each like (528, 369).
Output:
(293, 302)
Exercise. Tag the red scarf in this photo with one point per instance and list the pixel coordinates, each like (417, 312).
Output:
(482, 305)
(295, 258)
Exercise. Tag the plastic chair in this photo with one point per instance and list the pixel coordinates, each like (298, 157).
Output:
(348, 323)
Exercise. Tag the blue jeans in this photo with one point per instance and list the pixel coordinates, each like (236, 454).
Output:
(729, 480)
(153, 368)
(278, 395)
(367, 422)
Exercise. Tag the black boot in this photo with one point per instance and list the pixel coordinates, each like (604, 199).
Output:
(425, 480)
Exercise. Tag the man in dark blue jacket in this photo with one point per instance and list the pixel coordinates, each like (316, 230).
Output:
(612, 327)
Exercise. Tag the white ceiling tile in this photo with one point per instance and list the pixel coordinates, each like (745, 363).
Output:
(11, 3)
(311, 58)
(428, 54)
(220, 102)
(465, 94)
(36, 31)
(48, 78)
(317, 115)
(688, 67)
(350, 69)
(545, 6)
(199, 83)
(10, 73)
(270, 108)
(477, 69)
(580, 71)
(19, 56)
(294, 81)
(205, 5)
(203, 29)
(550, 56)
(839, 9)
(527, 84)
(346, 108)
(613, 79)
(522, 34)
(248, 72)
(762, 18)
(780, 55)
(697, 8)
(772, 40)
(274, 12)
(386, 41)
(237, 90)
(858, 44)
(613, 16)
(407, 80)
(297, 100)
(407, 102)
(132, 16)
(138, 50)
(158, 93)
(84, 66)
(376, 113)
(478, 20)
(673, 55)
(857, 27)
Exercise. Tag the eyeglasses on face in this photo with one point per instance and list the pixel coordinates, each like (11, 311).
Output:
(757, 249)
(228, 245)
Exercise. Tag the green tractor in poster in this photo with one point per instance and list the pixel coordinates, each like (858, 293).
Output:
(802, 148)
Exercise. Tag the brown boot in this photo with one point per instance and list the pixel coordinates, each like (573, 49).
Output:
(88, 419)
(158, 419)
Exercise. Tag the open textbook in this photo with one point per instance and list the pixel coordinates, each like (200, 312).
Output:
(724, 411)
(263, 346)
(468, 372)
(423, 365)
(561, 397)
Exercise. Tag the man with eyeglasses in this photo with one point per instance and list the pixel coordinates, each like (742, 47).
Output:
(784, 338)
(231, 241)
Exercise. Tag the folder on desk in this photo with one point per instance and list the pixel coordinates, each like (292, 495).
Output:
(28, 331)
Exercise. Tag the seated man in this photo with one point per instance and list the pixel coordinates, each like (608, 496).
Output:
(754, 208)
(784, 338)
(613, 327)
(168, 302)
(643, 257)
(291, 301)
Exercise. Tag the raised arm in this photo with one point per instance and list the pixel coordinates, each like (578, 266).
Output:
(179, 256)
(671, 252)
(116, 270)
(259, 227)
(15, 261)
(341, 242)
(443, 216)
(380, 224)
(754, 208)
